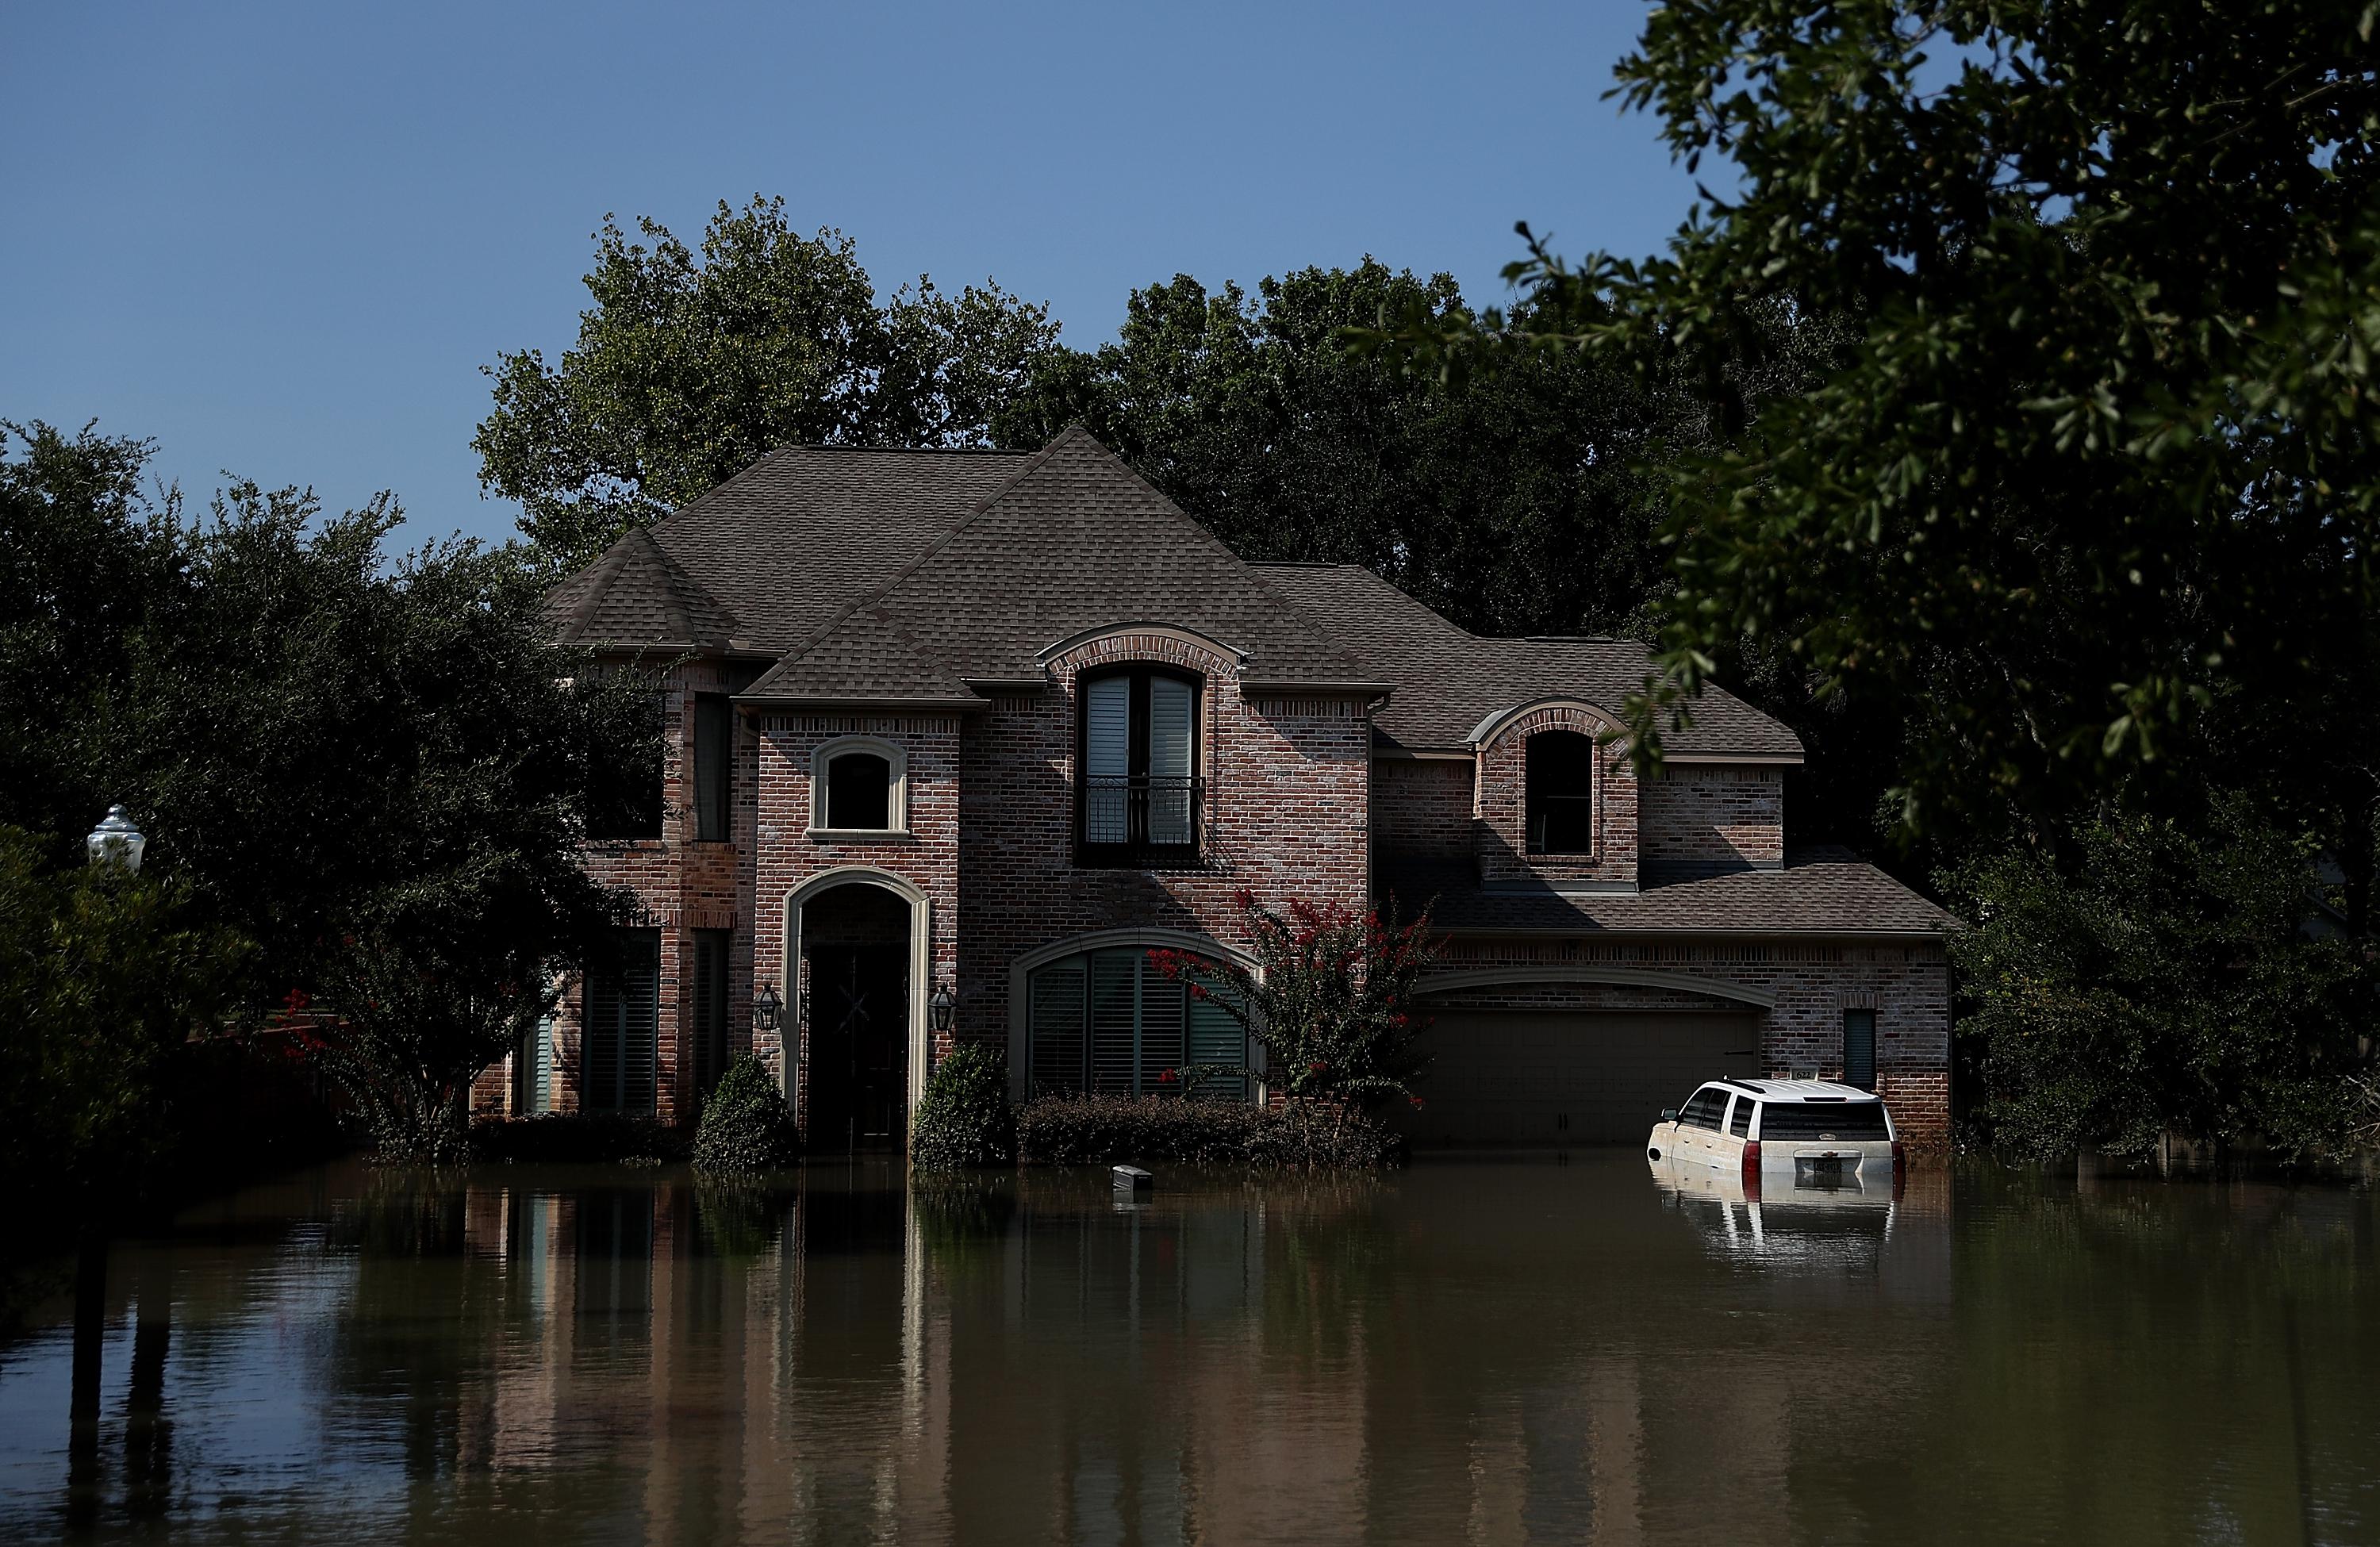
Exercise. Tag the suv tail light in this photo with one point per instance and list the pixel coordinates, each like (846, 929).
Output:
(1752, 1165)
(1897, 1157)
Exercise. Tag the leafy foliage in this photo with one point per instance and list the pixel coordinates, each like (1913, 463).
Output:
(105, 978)
(747, 1128)
(376, 770)
(2102, 448)
(1302, 1136)
(1514, 503)
(2169, 981)
(690, 368)
(1331, 1000)
(963, 1119)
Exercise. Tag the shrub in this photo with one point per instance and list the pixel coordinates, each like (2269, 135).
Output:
(1302, 1136)
(745, 1127)
(574, 1138)
(964, 1119)
(1330, 1000)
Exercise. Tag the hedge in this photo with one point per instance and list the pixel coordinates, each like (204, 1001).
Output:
(1094, 1130)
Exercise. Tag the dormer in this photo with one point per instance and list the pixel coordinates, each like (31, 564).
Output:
(1555, 798)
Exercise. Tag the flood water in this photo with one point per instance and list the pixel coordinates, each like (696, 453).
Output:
(1515, 1351)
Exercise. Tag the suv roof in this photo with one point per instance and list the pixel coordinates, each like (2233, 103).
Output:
(1799, 1089)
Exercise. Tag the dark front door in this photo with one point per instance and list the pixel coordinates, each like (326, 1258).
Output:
(859, 1046)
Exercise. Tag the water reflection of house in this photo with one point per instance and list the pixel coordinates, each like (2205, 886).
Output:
(1222, 1366)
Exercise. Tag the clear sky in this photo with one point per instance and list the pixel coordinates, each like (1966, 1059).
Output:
(282, 240)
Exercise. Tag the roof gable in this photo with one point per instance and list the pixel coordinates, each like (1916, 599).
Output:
(635, 593)
(1077, 541)
(1450, 682)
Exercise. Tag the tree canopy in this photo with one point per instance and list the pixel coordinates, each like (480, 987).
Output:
(2101, 451)
(347, 758)
(1516, 502)
(690, 366)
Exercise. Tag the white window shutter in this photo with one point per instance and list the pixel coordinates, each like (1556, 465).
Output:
(1106, 740)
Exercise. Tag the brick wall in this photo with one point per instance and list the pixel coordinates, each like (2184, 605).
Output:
(1422, 808)
(684, 884)
(1908, 985)
(1284, 817)
(1501, 840)
(786, 854)
(1710, 819)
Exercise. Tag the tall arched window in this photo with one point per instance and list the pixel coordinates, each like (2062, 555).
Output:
(1109, 1022)
(1139, 792)
(1561, 793)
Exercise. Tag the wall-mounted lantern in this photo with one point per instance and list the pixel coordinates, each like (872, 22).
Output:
(944, 1006)
(767, 1008)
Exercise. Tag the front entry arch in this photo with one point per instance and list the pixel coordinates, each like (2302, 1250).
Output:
(858, 952)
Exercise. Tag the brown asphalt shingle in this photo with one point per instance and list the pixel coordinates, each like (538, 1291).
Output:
(1077, 541)
(1820, 890)
(1449, 680)
(635, 593)
(802, 534)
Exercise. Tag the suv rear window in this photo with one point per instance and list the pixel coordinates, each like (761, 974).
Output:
(1739, 1122)
(1846, 1120)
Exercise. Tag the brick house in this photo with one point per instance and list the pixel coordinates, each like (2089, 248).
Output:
(990, 727)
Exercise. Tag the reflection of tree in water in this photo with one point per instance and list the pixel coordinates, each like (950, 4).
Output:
(2229, 1333)
(963, 1225)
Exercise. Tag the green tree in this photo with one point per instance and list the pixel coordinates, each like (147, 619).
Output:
(2102, 447)
(1514, 502)
(2170, 980)
(351, 759)
(104, 978)
(689, 368)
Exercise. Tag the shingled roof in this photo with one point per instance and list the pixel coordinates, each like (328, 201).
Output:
(1449, 680)
(1073, 540)
(799, 536)
(1819, 891)
(637, 594)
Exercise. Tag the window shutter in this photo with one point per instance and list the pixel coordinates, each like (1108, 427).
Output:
(541, 1090)
(1057, 1020)
(599, 1052)
(1163, 1009)
(713, 738)
(1171, 730)
(1107, 761)
(1216, 1038)
(1859, 1048)
(1115, 1029)
(640, 1029)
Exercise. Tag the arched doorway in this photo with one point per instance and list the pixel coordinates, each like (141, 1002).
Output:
(857, 947)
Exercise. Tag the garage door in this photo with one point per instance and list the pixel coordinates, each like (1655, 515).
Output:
(1531, 1077)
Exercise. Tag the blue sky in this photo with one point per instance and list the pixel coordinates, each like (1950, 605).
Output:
(282, 240)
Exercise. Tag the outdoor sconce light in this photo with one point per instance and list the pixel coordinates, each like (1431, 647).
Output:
(767, 1007)
(944, 1006)
(117, 842)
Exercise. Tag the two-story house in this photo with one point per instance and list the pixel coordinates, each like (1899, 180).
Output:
(961, 736)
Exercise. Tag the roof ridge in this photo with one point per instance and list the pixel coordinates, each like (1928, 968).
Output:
(1201, 533)
(974, 515)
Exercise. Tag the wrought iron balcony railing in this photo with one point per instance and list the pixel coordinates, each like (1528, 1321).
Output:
(1141, 818)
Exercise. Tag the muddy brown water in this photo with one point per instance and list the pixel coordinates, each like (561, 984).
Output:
(1522, 1350)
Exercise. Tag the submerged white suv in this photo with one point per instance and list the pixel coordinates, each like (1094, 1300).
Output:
(1790, 1132)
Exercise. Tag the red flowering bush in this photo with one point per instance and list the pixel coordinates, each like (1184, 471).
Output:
(1329, 1001)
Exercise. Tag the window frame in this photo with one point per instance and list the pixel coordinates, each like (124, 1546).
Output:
(1532, 802)
(1140, 854)
(896, 789)
(1201, 1023)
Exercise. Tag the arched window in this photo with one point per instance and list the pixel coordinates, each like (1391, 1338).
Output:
(1139, 792)
(1561, 793)
(1111, 1023)
(858, 785)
